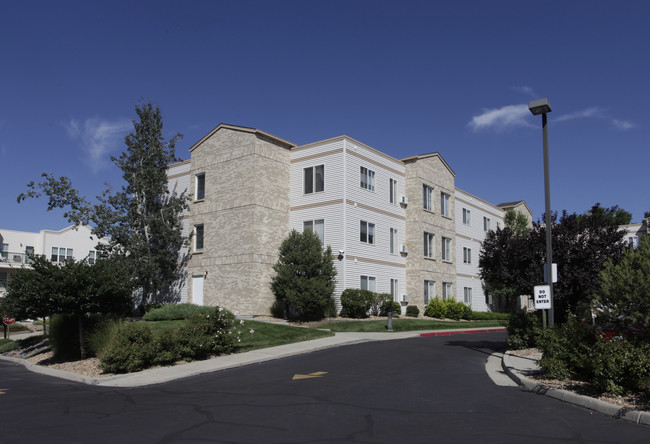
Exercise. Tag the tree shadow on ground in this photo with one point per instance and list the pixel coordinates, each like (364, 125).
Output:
(486, 347)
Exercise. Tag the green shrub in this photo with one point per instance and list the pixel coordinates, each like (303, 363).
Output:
(172, 312)
(565, 349)
(64, 336)
(523, 329)
(277, 309)
(130, 350)
(6, 345)
(380, 304)
(98, 338)
(412, 311)
(457, 310)
(390, 306)
(436, 309)
(489, 316)
(357, 303)
(166, 347)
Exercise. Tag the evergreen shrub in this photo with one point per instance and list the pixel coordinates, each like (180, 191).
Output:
(412, 311)
(357, 303)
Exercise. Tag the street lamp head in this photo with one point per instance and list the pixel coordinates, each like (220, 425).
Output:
(540, 106)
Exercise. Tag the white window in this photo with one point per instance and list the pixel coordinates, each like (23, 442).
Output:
(444, 204)
(317, 226)
(428, 291)
(367, 179)
(199, 183)
(427, 197)
(68, 254)
(446, 290)
(92, 257)
(367, 232)
(55, 255)
(368, 283)
(467, 255)
(467, 296)
(486, 223)
(467, 217)
(428, 245)
(633, 241)
(314, 179)
(394, 289)
(198, 237)
(3, 280)
(4, 251)
(446, 249)
(393, 191)
(394, 249)
(29, 255)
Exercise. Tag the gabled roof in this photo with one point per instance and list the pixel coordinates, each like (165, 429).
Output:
(508, 205)
(245, 129)
(426, 156)
(355, 141)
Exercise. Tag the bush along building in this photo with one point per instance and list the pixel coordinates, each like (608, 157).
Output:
(397, 226)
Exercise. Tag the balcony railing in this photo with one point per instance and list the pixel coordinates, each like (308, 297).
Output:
(11, 259)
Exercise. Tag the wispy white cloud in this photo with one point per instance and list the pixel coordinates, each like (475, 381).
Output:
(526, 90)
(594, 111)
(623, 124)
(506, 117)
(98, 138)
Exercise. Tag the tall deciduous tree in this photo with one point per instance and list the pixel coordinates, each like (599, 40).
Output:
(143, 218)
(305, 275)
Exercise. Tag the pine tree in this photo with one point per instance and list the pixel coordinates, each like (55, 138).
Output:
(305, 276)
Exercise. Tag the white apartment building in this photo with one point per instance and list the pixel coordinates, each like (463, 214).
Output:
(394, 225)
(17, 246)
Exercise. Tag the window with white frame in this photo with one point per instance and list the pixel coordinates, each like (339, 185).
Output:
(467, 296)
(427, 197)
(3, 280)
(428, 245)
(61, 254)
(368, 283)
(446, 291)
(486, 224)
(633, 241)
(498, 225)
(317, 226)
(314, 179)
(428, 291)
(467, 217)
(4, 251)
(444, 204)
(446, 249)
(198, 237)
(394, 289)
(367, 179)
(394, 249)
(199, 183)
(367, 232)
(393, 191)
(92, 257)
(467, 255)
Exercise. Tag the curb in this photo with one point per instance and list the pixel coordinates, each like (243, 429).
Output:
(460, 332)
(596, 405)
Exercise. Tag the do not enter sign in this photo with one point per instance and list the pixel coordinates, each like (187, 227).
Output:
(6, 320)
(542, 297)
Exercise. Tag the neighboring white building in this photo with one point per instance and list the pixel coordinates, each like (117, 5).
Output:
(394, 225)
(58, 246)
(634, 232)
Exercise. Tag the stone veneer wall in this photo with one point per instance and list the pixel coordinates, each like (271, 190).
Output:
(430, 170)
(245, 215)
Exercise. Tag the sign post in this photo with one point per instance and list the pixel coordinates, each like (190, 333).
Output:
(543, 299)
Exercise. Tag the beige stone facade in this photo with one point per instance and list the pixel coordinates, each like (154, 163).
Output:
(245, 215)
(430, 170)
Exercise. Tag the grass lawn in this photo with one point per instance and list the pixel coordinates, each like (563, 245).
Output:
(405, 324)
(270, 335)
(265, 334)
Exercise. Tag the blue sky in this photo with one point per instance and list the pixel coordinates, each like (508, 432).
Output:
(406, 78)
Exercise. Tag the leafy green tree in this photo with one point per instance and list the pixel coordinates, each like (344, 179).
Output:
(623, 298)
(143, 219)
(581, 246)
(511, 260)
(305, 276)
(75, 288)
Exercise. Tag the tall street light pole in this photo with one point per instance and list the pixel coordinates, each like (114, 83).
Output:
(543, 107)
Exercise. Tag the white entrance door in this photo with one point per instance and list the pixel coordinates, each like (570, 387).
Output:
(197, 290)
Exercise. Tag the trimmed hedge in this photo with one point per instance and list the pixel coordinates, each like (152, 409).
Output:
(449, 308)
(174, 312)
(412, 311)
